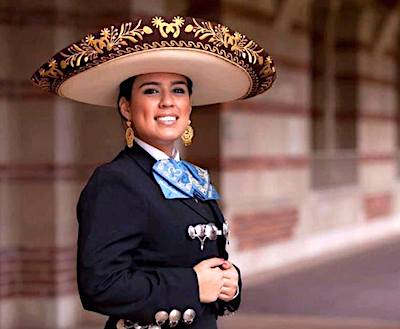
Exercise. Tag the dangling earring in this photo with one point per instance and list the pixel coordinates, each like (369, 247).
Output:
(129, 135)
(188, 134)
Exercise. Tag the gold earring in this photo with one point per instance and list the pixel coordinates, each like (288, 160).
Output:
(188, 135)
(129, 135)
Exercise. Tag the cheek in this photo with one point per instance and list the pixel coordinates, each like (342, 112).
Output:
(142, 114)
(147, 117)
(186, 108)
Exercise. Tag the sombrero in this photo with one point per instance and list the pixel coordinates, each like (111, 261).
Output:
(223, 65)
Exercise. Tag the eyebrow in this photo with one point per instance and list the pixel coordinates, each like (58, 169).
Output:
(178, 82)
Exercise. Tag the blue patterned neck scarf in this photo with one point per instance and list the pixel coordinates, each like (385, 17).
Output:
(183, 180)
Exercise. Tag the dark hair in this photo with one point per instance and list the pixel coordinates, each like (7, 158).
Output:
(125, 90)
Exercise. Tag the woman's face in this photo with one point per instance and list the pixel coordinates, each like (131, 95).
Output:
(159, 109)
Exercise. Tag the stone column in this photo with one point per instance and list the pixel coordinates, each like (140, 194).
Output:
(378, 106)
(263, 143)
(27, 198)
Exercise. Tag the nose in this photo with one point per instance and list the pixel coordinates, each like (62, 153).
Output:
(166, 100)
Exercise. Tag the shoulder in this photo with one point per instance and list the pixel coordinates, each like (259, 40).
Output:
(119, 174)
(121, 167)
(110, 195)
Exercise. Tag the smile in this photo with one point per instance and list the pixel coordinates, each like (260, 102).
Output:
(167, 119)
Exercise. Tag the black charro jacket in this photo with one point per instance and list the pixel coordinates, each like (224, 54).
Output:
(134, 254)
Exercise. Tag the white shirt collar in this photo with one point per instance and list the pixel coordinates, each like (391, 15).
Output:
(155, 152)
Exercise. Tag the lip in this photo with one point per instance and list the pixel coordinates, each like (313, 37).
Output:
(166, 114)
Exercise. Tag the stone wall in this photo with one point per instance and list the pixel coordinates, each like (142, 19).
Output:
(306, 169)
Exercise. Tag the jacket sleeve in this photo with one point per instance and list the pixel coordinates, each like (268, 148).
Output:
(112, 217)
(225, 308)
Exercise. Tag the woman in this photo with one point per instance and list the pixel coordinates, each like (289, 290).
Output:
(151, 245)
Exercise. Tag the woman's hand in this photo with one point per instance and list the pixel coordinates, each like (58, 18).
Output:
(230, 282)
(210, 278)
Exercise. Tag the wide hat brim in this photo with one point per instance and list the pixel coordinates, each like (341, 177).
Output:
(223, 65)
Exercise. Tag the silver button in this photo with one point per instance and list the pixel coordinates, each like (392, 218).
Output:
(161, 317)
(125, 324)
(225, 229)
(192, 232)
(200, 230)
(211, 231)
(174, 317)
(228, 313)
(188, 316)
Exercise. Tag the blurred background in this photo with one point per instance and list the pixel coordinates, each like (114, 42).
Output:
(309, 172)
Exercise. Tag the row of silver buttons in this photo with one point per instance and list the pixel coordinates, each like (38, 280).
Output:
(161, 317)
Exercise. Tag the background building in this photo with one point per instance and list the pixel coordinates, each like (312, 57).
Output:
(307, 169)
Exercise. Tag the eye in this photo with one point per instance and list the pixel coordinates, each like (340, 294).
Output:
(150, 91)
(179, 90)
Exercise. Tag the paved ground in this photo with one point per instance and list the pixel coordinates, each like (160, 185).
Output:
(353, 290)
(288, 322)
(357, 290)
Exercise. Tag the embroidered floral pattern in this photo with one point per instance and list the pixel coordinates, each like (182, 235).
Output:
(131, 37)
(166, 28)
(267, 72)
(52, 71)
(181, 179)
(220, 35)
(110, 39)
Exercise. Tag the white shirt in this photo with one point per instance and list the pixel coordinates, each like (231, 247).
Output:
(155, 152)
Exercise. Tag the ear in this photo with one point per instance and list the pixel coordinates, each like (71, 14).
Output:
(125, 109)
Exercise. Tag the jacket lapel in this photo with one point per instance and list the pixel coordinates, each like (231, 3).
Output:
(197, 208)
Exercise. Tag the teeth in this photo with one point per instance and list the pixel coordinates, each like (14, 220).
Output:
(166, 118)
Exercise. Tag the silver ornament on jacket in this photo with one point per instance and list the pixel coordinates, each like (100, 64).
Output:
(207, 231)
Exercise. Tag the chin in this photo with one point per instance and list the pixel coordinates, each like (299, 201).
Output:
(170, 137)
(164, 139)
(169, 140)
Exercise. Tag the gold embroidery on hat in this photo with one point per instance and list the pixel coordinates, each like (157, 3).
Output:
(220, 52)
(52, 72)
(268, 73)
(167, 28)
(219, 35)
(91, 50)
(111, 39)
